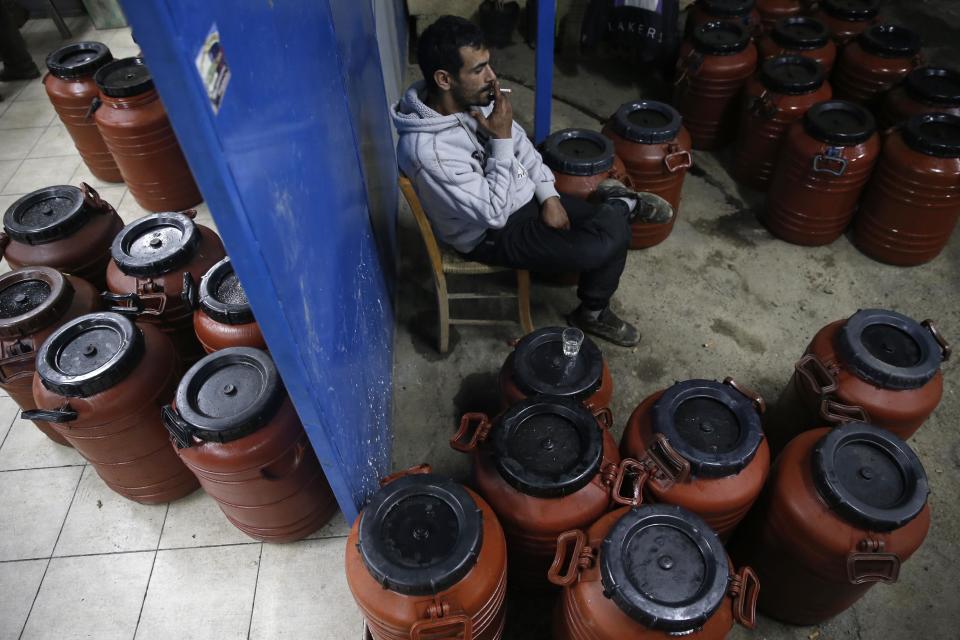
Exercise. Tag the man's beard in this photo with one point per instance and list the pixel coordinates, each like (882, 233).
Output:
(466, 103)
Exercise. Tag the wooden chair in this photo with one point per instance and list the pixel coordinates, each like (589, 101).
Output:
(448, 262)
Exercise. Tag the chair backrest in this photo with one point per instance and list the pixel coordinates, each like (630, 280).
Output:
(426, 231)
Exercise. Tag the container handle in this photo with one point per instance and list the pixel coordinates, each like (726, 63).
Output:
(189, 294)
(20, 363)
(570, 547)
(95, 104)
(136, 306)
(745, 590)
(475, 425)
(838, 413)
(669, 467)
(180, 430)
(639, 473)
(820, 165)
(677, 160)
(764, 106)
(945, 347)
(268, 473)
(604, 417)
(818, 377)
(873, 567)
(456, 626)
(420, 469)
(190, 213)
(753, 396)
(4, 241)
(63, 414)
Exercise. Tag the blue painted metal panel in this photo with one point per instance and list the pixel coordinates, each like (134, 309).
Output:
(281, 166)
(543, 99)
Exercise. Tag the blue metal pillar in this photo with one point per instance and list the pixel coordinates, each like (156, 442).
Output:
(546, 18)
(297, 166)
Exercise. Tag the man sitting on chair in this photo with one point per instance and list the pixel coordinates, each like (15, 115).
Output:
(487, 192)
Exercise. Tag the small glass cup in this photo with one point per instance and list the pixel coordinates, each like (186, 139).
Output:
(572, 339)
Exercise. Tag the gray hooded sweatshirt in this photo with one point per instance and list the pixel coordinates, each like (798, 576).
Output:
(466, 182)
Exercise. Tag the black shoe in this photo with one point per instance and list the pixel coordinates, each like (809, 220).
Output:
(650, 207)
(607, 326)
(11, 75)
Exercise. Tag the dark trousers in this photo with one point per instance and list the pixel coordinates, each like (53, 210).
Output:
(595, 245)
(13, 50)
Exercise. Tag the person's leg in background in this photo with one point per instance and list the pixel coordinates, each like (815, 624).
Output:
(595, 245)
(17, 63)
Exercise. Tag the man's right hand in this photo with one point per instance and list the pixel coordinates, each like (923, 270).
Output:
(499, 124)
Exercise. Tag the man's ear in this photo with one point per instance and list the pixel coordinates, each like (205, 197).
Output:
(443, 79)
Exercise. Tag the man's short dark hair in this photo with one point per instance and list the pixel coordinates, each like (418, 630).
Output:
(440, 43)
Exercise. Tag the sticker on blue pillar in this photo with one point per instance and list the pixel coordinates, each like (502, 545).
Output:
(214, 71)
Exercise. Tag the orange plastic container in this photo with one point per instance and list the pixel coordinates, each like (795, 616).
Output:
(844, 509)
(655, 147)
(876, 366)
(545, 465)
(875, 62)
(538, 365)
(925, 90)
(846, 19)
(800, 36)
(580, 160)
(233, 425)
(651, 573)
(426, 559)
(223, 317)
(701, 447)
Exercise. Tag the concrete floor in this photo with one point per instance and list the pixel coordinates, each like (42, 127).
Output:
(720, 297)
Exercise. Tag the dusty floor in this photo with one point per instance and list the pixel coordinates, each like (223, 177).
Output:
(720, 297)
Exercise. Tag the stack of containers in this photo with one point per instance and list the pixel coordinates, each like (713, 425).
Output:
(877, 60)
(925, 90)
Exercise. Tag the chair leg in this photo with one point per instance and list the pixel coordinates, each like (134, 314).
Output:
(523, 300)
(58, 20)
(443, 313)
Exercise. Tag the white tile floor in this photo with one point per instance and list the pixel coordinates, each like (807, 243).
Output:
(79, 561)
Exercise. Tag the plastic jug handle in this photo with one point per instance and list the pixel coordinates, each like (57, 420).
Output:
(753, 396)
(745, 590)
(95, 104)
(189, 293)
(180, 430)
(815, 373)
(945, 347)
(4, 241)
(455, 626)
(283, 469)
(474, 428)
(639, 473)
(412, 471)
(678, 160)
(567, 558)
(64, 414)
(604, 417)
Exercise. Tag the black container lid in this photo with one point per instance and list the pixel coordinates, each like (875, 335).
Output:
(935, 134)
(646, 122)
(800, 33)
(889, 349)
(839, 122)
(791, 75)
(869, 477)
(712, 425)
(728, 8)
(934, 85)
(854, 10)
(420, 534)
(90, 354)
(720, 38)
(31, 299)
(664, 567)
(124, 78)
(222, 296)
(540, 367)
(230, 394)
(578, 152)
(890, 41)
(547, 446)
(47, 215)
(155, 244)
(78, 59)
